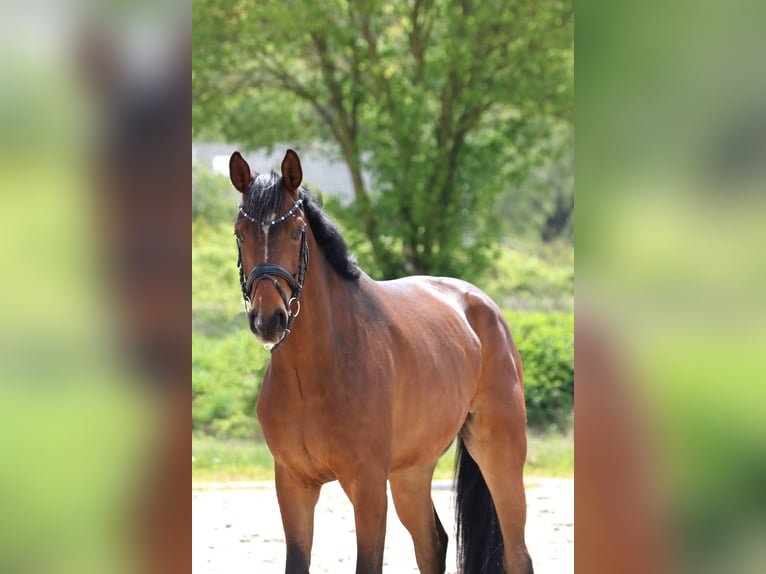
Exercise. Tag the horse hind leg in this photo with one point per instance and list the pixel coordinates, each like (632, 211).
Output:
(498, 444)
(411, 491)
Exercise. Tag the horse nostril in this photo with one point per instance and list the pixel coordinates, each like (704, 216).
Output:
(278, 322)
(256, 324)
(282, 319)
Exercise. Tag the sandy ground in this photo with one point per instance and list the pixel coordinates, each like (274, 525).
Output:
(237, 529)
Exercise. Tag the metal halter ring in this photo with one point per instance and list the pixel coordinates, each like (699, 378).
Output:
(290, 307)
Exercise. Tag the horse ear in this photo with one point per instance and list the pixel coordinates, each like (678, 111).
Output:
(239, 172)
(292, 174)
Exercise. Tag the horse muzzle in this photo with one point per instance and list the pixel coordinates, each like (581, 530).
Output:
(270, 329)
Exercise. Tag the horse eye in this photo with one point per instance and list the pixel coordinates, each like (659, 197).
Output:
(238, 235)
(296, 234)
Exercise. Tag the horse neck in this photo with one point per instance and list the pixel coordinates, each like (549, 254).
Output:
(322, 296)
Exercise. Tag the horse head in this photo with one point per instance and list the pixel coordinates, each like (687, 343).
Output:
(271, 237)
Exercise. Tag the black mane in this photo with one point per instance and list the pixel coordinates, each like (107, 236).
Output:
(266, 197)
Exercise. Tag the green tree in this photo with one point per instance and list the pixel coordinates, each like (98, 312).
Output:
(542, 207)
(444, 103)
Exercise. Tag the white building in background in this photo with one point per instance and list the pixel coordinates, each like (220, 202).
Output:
(323, 169)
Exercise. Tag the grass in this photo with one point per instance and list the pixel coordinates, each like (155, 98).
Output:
(216, 460)
(550, 454)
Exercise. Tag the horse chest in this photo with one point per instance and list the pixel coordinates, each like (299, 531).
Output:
(311, 427)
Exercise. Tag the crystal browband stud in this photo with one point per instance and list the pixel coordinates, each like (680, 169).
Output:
(249, 217)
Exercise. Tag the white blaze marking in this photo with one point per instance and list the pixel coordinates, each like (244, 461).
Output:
(266, 237)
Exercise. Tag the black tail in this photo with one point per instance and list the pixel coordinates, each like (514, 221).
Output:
(479, 539)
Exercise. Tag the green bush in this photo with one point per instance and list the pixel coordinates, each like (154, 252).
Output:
(226, 378)
(546, 345)
(215, 277)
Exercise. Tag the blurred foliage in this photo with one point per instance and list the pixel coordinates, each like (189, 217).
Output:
(529, 277)
(542, 207)
(213, 196)
(227, 363)
(671, 268)
(444, 104)
(214, 254)
(226, 377)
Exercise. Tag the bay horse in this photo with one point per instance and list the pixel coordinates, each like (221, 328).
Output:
(370, 382)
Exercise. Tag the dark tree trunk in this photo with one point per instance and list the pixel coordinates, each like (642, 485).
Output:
(557, 221)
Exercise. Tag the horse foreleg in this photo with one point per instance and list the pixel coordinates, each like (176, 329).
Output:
(411, 491)
(367, 493)
(297, 500)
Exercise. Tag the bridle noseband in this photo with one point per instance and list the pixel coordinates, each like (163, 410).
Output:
(272, 270)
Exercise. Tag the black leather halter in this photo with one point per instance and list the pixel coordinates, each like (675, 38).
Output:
(272, 271)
